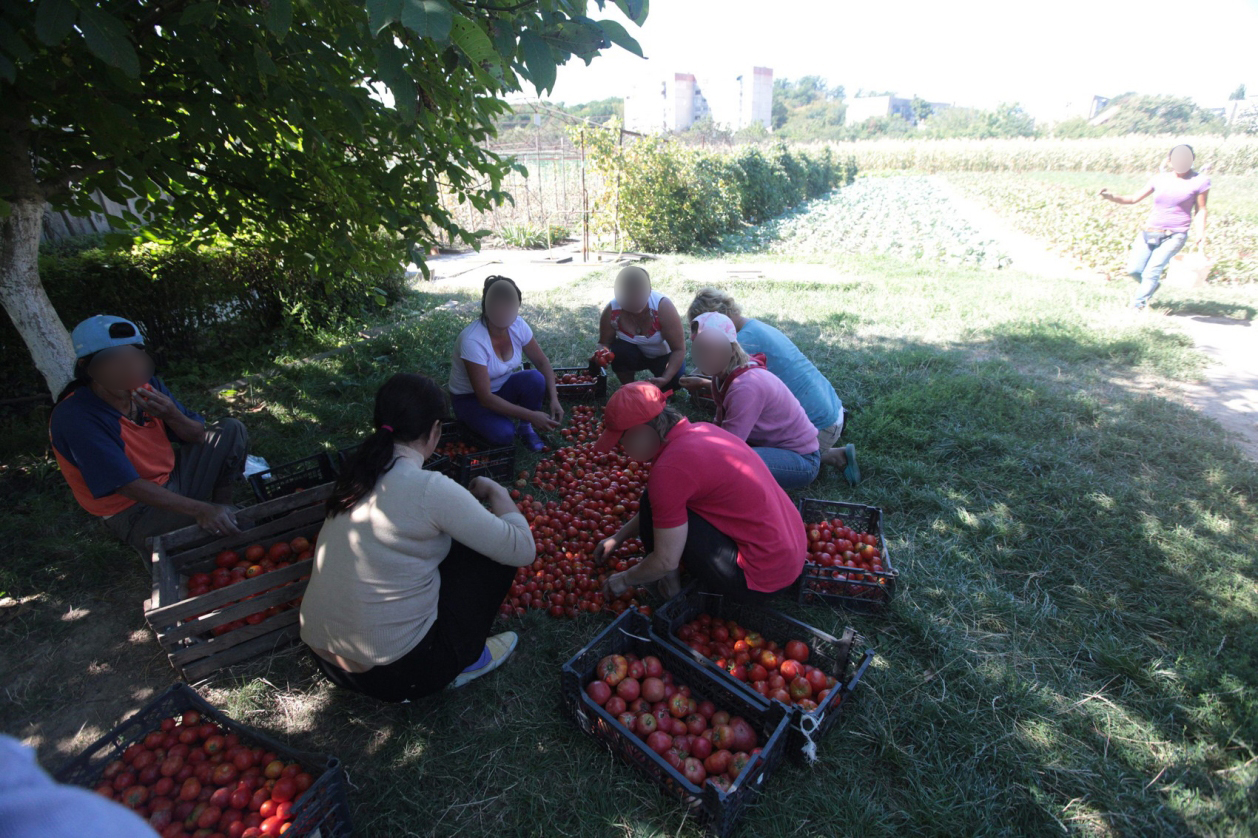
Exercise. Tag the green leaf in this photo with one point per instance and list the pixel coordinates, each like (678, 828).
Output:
(53, 20)
(5, 208)
(199, 14)
(380, 13)
(473, 41)
(428, 18)
(393, 73)
(635, 10)
(265, 64)
(539, 60)
(279, 17)
(619, 36)
(106, 38)
(13, 44)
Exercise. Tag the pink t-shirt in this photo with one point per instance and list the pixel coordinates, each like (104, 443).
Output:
(1173, 200)
(703, 469)
(760, 409)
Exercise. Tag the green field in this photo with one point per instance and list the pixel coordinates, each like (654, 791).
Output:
(1073, 649)
(1233, 194)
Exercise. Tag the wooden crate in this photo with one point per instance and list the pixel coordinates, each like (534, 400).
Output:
(183, 626)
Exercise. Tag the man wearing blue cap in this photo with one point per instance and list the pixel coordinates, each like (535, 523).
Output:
(112, 431)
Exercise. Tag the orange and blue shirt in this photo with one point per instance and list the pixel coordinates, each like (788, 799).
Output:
(100, 450)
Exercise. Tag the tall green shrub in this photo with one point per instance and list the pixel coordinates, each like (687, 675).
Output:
(664, 196)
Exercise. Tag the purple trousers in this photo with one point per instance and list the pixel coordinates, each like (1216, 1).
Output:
(525, 388)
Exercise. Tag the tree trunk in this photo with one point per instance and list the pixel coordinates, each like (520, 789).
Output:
(24, 298)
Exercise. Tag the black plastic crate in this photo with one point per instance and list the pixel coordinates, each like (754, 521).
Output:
(718, 810)
(869, 592)
(831, 654)
(436, 462)
(322, 810)
(585, 390)
(296, 476)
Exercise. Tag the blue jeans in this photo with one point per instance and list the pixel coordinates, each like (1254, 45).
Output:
(1150, 254)
(525, 388)
(789, 469)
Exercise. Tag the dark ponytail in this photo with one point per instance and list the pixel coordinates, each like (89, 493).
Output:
(484, 294)
(407, 407)
(81, 378)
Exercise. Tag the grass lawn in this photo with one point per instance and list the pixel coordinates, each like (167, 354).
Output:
(1073, 651)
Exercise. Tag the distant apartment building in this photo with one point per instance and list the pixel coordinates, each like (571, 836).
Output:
(676, 102)
(864, 108)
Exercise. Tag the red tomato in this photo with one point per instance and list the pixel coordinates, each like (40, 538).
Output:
(800, 688)
(285, 789)
(797, 650)
(599, 692)
(190, 789)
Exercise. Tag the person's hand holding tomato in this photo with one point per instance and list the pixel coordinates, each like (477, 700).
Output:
(604, 549)
(155, 403)
(616, 585)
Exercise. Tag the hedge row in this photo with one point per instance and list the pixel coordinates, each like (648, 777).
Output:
(191, 303)
(666, 197)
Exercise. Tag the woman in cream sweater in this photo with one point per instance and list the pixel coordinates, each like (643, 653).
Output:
(410, 568)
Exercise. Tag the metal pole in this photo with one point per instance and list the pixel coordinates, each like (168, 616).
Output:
(537, 163)
(619, 163)
(585, 206)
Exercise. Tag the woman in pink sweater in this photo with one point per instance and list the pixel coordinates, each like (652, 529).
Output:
(754, 405)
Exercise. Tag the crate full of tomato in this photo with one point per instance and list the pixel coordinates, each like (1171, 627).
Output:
(702, 742)
(220, 600)
(848, 564)
(770, 657)
(581, 383)
(188, 769)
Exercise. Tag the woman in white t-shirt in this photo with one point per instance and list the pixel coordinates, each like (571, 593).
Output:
(489, 389)
(642, 328)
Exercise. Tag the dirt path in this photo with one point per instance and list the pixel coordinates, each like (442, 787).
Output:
(1229, 391)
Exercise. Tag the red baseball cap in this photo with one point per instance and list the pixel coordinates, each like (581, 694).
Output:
(633, 404)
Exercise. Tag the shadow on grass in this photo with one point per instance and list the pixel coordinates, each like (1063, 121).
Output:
(1227, 312)
(1073, 647)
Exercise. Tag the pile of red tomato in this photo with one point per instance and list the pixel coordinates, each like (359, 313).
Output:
(231, 567)
(576, 378)
(845, 555)
(599, 493)
(781, 673)
(192, 779)
(604, 356)
(703, 743)
(455, 448)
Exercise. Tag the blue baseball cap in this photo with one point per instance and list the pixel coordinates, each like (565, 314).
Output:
(104, 331)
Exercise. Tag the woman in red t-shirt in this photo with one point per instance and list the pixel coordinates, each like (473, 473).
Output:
(710, 504)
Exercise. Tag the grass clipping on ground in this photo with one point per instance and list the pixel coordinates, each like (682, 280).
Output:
(1073, 648)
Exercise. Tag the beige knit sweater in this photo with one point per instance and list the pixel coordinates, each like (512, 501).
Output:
(373, 589)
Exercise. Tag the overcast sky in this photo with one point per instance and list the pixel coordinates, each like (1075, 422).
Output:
(971, 52)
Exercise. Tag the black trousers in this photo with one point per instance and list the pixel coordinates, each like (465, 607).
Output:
(472, 588)
(710, 556)
(199, 470)
(630, 360)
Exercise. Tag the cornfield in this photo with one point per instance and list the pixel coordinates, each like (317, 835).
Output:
(1119, 155)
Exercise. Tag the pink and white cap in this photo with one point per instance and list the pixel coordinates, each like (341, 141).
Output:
(714, 320)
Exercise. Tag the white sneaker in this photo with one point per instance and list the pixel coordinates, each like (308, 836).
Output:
(500, 647)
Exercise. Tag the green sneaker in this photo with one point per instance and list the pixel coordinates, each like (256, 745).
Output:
(498, 648)
(851, 471)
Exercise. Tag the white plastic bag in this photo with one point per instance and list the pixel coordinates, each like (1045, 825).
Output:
(1189, 269)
